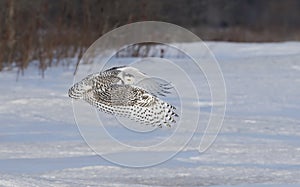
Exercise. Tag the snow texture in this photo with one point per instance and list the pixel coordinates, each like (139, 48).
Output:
(258, 145)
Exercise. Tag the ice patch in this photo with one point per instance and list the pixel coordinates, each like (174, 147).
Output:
(20, 101)
(296, 67)
(249, 121)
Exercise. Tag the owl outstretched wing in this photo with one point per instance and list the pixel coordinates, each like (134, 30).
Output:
(155, 86)
(134, 103)
(125, 91)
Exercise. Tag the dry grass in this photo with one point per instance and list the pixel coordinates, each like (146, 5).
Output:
(242, 34)
(49, 31)
(45, 33)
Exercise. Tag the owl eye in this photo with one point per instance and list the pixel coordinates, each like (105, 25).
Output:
(128, 79)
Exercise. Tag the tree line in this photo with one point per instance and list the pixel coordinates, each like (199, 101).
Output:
(50, 31)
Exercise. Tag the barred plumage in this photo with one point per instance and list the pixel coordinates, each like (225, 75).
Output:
(125, 91)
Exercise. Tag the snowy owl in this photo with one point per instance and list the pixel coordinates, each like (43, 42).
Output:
(127, 92)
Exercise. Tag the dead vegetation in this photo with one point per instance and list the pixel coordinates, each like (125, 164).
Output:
(48, 32)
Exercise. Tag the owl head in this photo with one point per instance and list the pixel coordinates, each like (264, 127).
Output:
(130, 75)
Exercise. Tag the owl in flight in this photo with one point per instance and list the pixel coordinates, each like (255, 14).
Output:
(127, 92)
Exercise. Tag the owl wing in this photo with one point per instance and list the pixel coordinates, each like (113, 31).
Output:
(134, 103)
(104, 80)
(155, 86)
(97, 81)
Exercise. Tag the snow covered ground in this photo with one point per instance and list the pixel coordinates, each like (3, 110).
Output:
(258, 145)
